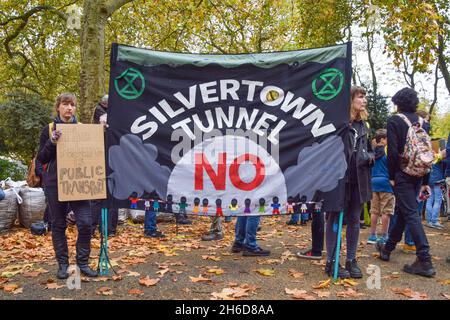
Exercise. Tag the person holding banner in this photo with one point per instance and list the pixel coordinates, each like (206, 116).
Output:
(65, 107)
(100, 117)
(358, 187)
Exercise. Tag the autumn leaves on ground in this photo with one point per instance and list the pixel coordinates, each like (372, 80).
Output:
(181, 266)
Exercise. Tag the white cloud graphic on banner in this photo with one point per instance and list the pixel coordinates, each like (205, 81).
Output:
(135, 169)
(319, 167)
(234, 181)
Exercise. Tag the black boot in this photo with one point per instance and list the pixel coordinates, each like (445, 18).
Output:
(384, 254)
(87, 271)
(61, 252)
(62, 271)
(342, 273)
(353, 269)
(83, 251)
(421, 268)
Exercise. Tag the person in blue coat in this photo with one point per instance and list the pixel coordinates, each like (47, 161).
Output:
(435, 200)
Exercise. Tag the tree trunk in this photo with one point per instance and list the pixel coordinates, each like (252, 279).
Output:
(92, 49)
(442, 62)
(369, 39)
(435, 95)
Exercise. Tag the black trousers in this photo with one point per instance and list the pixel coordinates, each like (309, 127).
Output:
(113, 216)
(406, 190)
(58, 212)
(317, 231)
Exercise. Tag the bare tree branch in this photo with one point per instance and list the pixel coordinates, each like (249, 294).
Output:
(435, 94)
(113, 5)
(33, 11)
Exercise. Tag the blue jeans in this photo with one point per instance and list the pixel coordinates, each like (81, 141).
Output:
(295, 217)
(434, 204)
(150, 221)
(246, 228)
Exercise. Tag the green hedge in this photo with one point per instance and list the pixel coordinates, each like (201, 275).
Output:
(11, 168)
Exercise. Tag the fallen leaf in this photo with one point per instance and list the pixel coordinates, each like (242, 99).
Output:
(295, 274)
(322, 294)
(413, 295)
(240, 292)
(10, 274)
(299, 294)
(18, 291)
(265, 272)
(349, 293)
(53, 285)
(200, 278)
(319, 263)
(446, 296)
(294, 291)
(444, 282)
(213, 258)
(135, 291)
(287, 255)
(32, 274)
(133, 274)
(163, 272)
(225, 294)
(148, 282)
(323, 284)
(10, 287)
(105, 291)
(216, 271)
(100, 279)
(117, 278)
(268, 261)
(346, 282)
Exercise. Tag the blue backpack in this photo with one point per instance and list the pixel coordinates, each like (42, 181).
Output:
(2, 194)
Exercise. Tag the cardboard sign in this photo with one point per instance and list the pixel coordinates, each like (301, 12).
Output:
(438, 145)
(81, 162)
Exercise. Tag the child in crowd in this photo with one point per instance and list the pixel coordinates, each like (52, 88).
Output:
(151, 210)
(383, 200)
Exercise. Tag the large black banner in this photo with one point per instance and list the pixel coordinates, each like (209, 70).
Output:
(228, 134)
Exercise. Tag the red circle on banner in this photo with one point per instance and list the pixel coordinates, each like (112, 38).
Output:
(234, 172)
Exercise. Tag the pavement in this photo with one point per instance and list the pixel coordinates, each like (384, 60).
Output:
(182, 267)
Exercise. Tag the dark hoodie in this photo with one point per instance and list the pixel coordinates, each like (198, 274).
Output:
(47, 155)
(380, 172)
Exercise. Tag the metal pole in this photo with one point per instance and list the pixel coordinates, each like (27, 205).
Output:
(338, 246)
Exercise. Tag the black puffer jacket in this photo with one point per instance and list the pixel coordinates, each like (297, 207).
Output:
(47, 155)
(361, 160)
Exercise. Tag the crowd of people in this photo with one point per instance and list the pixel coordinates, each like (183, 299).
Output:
(378, 174)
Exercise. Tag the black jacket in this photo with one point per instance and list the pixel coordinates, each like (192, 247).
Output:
(99, 111)
(47, 155)
(360, 161)
(397, 129)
